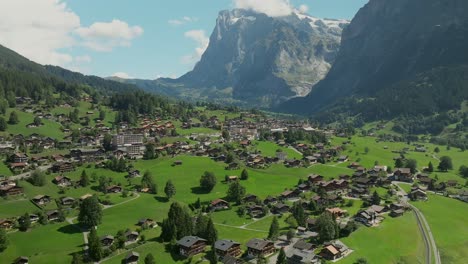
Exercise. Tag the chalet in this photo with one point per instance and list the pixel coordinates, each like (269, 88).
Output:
(6, 223)
(131, 237)
(287, 195)
(41, 199)
(452, 183)
(10, 190)
(178, 162)
(397, 212)
(280, 208)
(233, 166)
(417, 194)
(343, 159)
(314, 178)
(463, 196)
(337, 212)
(227, 248)
(87, 154)
(232, 178)
(260, 248)
(18, 167)
(21, 260)
(354, 165)
(62, 181)
(191, 245)
(311, 224)
(33, 218)
(107, 241)
(231, 260)
(357, 191)
(53, 215)
(303, 187)
(219, 204)
(19, 158)
(311, 159)
(147, 222)
(250, 198)
(368, 217)
(85, 196)
(114, 189)
(270, 200)
(61, 167)
(133, 174)
(334, 250)
(403, 174)
(132, 257)
(255, 211)
(67, 201)
(297, 256)
(294, 163)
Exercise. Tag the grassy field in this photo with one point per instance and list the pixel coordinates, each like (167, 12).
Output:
(396, 240)
(49, 129)
(448, 220)
(269, 149)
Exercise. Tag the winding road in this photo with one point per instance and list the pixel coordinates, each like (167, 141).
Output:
(429, 242)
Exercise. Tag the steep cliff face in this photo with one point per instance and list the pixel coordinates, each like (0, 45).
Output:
(254, 58)
(388, 42)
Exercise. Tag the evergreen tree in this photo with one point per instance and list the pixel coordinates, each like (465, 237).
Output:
(177, 224)
(235, 192)
(281, 257)
(430, 167)
(412, 164)
(463, 171)
(170, 189)
(201, 225)
(273, 233)
(244, 175)
(376, 198)
(107, 142)
(326, 226)
(37, 121)
(13, 120)
(436, 150)
(148, 182)
(445, 164)
(77, 258)
(103, 184)
(3, 240)
(298, 213)
(399, 163)
(84, 179)
(3, 124)
(38, 178)
(149, 259)
(24, 222)
(95, 251)
(208, 181)
(211, 234)
(90, 212)
(149, 152)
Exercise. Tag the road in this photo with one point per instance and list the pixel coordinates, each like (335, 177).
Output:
(429, 242)
(28, 174)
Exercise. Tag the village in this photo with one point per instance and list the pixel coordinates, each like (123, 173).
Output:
(363, 197)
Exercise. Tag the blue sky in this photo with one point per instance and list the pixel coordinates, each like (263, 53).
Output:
(138, 38)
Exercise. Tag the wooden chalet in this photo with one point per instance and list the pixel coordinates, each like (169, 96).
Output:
(227, 248)
(107, 241)
(41, 199)
(132, 257)
(260, 248)
(219, 204)
(114, 189)
(191, 245)
(62, 167)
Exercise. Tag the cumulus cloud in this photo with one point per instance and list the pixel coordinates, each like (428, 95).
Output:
(182, 21)
(199, 36)
(45, 30)
(273, 8)
(104, 36)
(122, 75)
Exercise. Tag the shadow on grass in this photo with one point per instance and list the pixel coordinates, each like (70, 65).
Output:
(161, 199)
(70, 229)
(174, 253)
(198, 190)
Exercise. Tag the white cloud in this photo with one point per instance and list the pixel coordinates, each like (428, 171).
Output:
(122, 75)
(102, 36)
(45, 31)
(273, 8)
(199, 36)
(303, 9)
(182, 21)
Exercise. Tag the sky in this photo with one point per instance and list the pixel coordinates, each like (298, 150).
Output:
(144, 39)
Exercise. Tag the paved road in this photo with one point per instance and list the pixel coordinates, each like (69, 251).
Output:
(28, 174)
(431, 247)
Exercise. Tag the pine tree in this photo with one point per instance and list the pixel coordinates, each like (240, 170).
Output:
(211, 234)
(94, 246)
(84, 179)
(201, 225)
(376, 198)
(3, 124)
(170, 189)
(177, 224)
(281, 257)
(148, 182)
(244, 175)
(326, 226)
(235, 192)
(273, 233)
(445, 164)
(13, 120)
(298, 213)
(398, 163)
(149, 259)
(430, 167)
(3, 240)
(24, 222)
(90, 212)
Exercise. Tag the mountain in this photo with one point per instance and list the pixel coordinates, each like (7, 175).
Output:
(256, 59)
(391, 51)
